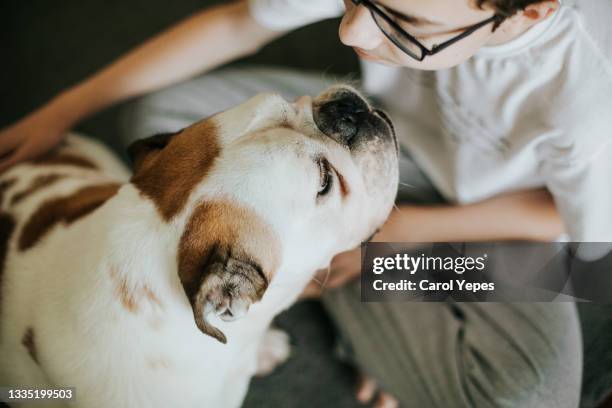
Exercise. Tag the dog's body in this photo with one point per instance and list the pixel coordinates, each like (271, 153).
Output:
(102, 277)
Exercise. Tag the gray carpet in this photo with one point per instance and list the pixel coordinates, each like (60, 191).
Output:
(49, 45)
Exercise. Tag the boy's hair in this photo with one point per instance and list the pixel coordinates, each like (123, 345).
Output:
(507, 8)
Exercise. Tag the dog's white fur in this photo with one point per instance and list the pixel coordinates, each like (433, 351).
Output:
(156, 357)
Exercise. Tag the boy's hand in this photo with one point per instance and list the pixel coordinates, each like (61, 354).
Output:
(344, 268)
(490, 220)
(30, 137)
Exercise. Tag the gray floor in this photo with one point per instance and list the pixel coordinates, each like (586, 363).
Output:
(49, 45)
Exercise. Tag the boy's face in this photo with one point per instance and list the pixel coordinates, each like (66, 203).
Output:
(434, 21)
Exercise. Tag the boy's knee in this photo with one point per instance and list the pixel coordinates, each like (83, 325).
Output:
(524, 370)
(525, 386)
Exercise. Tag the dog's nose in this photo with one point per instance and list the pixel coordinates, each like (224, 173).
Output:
(341, 117)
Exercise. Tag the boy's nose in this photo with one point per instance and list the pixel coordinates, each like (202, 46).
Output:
(358, 29)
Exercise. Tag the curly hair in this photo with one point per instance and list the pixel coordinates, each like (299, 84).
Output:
(507, 8)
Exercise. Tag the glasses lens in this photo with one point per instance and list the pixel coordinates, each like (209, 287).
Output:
(399, 39)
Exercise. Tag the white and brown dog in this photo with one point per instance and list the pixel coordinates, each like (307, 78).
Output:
(108, 284)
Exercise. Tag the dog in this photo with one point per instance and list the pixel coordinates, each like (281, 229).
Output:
(158, 289)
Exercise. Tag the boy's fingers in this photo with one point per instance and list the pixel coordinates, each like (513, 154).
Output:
(8, 142)
(312, 291)
(337, 279)
(341, 276)
(6, 163)
(12, 159)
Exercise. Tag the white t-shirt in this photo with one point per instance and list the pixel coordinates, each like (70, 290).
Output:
(534, 112)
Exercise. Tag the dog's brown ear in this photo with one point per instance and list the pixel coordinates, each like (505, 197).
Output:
(226, 257)
(142, 149)
(225, 284)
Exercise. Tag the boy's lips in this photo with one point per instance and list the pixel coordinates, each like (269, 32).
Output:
(364, 55)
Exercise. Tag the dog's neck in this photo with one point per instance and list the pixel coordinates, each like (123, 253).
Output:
(143, 249)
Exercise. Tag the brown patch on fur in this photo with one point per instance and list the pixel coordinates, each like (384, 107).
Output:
(168, 175)
(65, 209)
(151, 296)
(214, 225)
(230, 245)
(28, 341)
(123, 291)
(4, 186)
(65, 159)
(7, 226)
(131, 297)
(37, 184)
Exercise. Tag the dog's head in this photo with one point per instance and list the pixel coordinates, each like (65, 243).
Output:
(268, 186)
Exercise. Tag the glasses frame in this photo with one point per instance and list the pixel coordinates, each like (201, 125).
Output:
(425, 52)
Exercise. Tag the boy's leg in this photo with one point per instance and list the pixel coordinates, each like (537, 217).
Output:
(459, 355)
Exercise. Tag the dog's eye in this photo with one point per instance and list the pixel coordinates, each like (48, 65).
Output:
(326, 177)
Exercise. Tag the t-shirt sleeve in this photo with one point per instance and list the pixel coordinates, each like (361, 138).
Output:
(577, 169)
(596, 15)
(284, 15)
(583, 195)
(576, 160)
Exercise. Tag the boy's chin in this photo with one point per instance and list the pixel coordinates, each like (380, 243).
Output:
(387, 63)
(433, 63)
(430, 64)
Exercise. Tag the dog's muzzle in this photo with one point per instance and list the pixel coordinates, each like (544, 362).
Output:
(347, 118)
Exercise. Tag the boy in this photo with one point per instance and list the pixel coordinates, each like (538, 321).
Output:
(508, 132)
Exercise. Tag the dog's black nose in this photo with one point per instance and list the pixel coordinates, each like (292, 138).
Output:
(341, 117)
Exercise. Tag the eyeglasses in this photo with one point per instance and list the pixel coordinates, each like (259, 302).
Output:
(408, 43)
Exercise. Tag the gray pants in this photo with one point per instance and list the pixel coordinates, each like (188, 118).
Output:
(426, 354)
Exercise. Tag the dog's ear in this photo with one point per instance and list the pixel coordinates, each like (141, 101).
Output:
(227, 285)
(142, 149)
(226, 257)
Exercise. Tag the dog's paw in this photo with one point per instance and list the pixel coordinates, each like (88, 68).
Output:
(274, 350)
